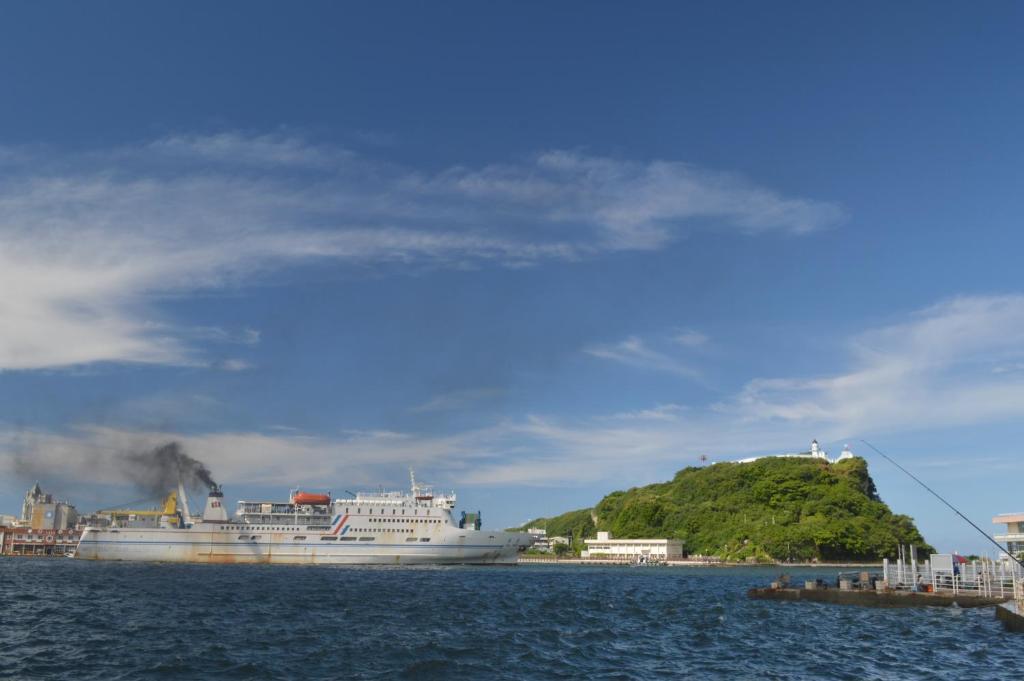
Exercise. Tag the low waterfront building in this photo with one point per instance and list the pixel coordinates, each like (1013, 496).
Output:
(542, 542)
(1013, 538)
(632, 549)
(25, 541)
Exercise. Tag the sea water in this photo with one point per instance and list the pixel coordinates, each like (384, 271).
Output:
(62, 618)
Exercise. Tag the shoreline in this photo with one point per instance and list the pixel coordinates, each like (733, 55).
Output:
(535, 560)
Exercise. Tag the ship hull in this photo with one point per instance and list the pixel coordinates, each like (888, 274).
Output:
(201, 545)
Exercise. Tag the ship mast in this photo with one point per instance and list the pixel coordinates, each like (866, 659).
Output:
(420, 492)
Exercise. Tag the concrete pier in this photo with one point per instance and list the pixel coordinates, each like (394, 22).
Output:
(874, 598)
(1010, 615)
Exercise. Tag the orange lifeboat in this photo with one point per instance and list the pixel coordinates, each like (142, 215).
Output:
(310, 498)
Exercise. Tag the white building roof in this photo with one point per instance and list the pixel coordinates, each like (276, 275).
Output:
(606, 538)
(630, 541)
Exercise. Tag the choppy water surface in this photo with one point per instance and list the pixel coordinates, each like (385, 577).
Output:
(69, 619)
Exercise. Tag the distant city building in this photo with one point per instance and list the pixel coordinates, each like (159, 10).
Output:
(41, 511)
(633, 549)
(8, 520)
(815, 452)
(1014, 536)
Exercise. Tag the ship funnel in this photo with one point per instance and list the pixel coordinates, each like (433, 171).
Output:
(215, 511)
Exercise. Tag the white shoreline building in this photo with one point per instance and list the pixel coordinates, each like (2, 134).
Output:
(1014, 535)
(632, 549)
(542, 542)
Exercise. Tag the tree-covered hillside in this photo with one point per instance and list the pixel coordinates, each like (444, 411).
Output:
(772, 508)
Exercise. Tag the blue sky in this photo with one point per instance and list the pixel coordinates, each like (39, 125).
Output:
(539, 253)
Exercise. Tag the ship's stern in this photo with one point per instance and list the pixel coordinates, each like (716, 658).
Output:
(515, 544)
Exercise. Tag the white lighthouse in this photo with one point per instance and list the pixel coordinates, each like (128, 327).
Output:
(816, 452)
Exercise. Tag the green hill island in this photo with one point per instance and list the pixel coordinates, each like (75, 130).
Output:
(797, 508)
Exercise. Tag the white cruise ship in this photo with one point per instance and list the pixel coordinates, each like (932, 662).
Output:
(384, 528)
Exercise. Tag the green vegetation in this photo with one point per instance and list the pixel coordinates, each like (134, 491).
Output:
(770, 509)
(561, 550)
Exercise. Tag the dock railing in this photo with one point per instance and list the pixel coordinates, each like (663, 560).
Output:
(986, 578)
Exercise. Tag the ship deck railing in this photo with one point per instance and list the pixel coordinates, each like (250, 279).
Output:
(256, 507)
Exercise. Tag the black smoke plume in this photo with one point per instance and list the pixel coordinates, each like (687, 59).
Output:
(157, 471)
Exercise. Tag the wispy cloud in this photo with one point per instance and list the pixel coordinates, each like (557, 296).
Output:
(88, 240)
(233, 364)
(458, 399)
(639, 203)
(661, 412)
(234, 149)
(690, 339)
(933, 370)
(939, 368)
(217, 334)
(634, 352)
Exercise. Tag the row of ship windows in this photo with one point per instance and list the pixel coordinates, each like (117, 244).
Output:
(254, 537)
(271, 528)
(374, 529)
(393, 511)
(333, 538)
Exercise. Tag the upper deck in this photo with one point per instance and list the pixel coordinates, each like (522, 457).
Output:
(419, 500)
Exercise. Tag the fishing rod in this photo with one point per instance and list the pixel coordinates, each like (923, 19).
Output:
(936, 495)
